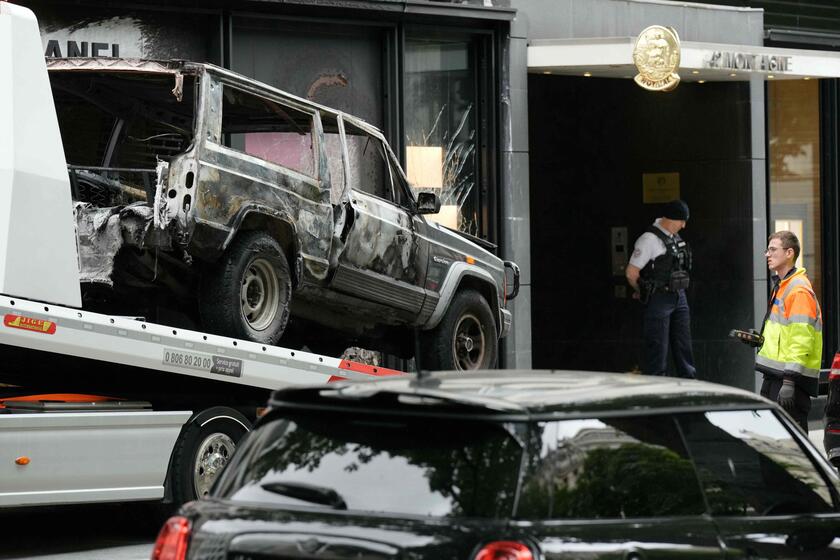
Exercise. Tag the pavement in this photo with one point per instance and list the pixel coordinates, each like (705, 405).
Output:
(118, 531)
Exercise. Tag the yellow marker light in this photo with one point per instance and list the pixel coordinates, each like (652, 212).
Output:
(701, 81)
(22, 460)
(470, 260)
(587, 74)
(695, 72)
(807, 78)
(770, 76)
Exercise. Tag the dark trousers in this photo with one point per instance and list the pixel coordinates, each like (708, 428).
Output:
(667, 322)
(802, 400)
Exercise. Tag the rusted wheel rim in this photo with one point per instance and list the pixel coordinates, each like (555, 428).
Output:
(213, 454)
(260, 294)
(468, 344)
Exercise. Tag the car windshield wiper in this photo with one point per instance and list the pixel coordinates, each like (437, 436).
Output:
(307, 493)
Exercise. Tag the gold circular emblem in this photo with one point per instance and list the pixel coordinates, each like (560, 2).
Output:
(657, 57)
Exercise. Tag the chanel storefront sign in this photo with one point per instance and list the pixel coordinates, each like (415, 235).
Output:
(727, 60)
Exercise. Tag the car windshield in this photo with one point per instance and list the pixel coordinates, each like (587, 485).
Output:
(328, 461)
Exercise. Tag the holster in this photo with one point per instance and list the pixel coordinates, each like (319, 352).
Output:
(679, 281)
(646, 288)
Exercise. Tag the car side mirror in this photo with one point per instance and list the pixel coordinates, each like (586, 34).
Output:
(428, 203)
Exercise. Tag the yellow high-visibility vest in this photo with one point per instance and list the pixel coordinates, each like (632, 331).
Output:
(793, 334)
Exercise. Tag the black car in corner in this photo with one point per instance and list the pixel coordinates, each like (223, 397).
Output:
(517, 466)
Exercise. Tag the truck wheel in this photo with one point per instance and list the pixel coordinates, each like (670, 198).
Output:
(204, 447)
(247, 295)
(465, 339)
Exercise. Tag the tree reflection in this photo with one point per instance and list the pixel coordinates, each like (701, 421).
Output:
(630, 480)
(474, 467)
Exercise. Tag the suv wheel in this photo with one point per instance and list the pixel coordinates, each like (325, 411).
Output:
(247, 295)
(465, 339)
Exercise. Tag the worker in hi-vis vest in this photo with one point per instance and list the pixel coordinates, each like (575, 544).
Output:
(791, 353)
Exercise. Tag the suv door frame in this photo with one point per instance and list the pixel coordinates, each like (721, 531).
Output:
(361, 267)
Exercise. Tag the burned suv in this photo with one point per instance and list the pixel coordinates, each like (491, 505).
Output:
(204, 196)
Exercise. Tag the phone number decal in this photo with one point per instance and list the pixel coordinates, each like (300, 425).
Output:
(221, 365)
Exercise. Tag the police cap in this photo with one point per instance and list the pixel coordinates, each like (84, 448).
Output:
(676, 210)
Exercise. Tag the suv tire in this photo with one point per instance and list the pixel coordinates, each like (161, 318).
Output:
(247, 294)
(465, 339)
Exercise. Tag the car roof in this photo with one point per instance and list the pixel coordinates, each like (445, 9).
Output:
(520, 394)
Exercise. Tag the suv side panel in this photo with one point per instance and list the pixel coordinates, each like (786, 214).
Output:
(448, 267)
(231, 183)
(383, 259)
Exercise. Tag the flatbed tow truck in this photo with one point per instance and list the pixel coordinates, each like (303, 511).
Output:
(94, 407)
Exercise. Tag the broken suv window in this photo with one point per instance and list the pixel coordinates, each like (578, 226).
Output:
(115, 126)
(369, 170)
(268, 130)
(335, 158)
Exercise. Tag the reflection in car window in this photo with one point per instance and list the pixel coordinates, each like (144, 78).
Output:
(749, 464)
(468, 472)
(609, 468)
(268, 130)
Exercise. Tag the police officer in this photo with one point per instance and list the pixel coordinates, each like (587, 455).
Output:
(658, 272)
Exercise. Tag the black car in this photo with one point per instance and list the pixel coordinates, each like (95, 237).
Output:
(517, 466)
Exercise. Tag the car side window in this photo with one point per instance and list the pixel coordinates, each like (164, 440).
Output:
(750, 464)
(269, 130)
(609, 468)
(369, 169)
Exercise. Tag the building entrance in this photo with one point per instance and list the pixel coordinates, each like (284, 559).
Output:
(603, 153)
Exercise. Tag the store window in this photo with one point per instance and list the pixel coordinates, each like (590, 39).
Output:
(441, 127)
(793, 111)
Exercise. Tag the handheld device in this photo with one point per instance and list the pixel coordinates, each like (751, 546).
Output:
(750, 337)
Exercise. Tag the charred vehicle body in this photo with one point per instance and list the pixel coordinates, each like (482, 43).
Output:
(207, 197)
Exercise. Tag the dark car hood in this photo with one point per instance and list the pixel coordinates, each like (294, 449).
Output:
(255, 532)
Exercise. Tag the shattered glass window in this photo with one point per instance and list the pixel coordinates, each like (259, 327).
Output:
(440, 126)
(118, 120)
(269, 130)
(115, 127)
